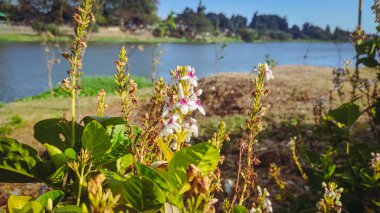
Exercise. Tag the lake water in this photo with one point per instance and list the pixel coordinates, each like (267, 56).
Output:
(23, 68)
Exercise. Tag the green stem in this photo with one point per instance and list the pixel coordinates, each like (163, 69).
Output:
(73, 114)
(80, 185)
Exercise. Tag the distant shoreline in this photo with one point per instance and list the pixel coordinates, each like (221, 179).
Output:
(152, 40)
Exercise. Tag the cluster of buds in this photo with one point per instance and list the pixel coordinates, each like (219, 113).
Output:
(82, 168)
(125, 87)
(101, 104)
(265, 205)
(331, 199)
(274, 172)
(375, 163)
(201, 188)
(180, 104)
(100, 201)
(199, 184)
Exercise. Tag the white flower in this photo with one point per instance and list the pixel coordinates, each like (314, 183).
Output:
(175, 77)
(192, 129)
(193, 80)
(228, 187)
(268, 72)
(184, 104)
(170, 126)
(197, 102)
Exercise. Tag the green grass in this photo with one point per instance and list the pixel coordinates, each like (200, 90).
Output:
(14, 122)
(28, 38)
(91, 87)
(110, 39)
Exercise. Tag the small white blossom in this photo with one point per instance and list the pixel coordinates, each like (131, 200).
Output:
(197, 103)
(184, 104)
(191, 128)
(176, 76)
(268, 72)
(170, 126)
(193, 80)
(228, 187)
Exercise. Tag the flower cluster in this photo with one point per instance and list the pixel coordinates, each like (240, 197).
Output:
(180, 104)
(101, 200)
(265, 205)
(267, 70)
(375, 163)
(331, 199)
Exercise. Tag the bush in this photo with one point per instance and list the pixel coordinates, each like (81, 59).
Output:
(282, 36)
(40, 27)
(247, 35)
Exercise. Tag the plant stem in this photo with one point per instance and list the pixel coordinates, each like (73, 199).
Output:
(80, 185)
(72, 117)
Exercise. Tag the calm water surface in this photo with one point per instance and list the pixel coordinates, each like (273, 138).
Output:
(23, 68)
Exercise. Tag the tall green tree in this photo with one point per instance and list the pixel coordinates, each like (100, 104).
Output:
(132, 13)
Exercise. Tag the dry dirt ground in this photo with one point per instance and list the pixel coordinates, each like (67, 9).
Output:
(292, 94)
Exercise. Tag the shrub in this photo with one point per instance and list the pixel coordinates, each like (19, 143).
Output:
(40, 27)
(282, 36)
(247, 35)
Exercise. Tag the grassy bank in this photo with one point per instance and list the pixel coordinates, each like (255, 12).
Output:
(149, 40)
(116, 39)
(91, 87)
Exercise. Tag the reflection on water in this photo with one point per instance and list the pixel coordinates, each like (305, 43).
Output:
(23, 69)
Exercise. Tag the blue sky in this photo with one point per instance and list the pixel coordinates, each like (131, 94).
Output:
(342, 13)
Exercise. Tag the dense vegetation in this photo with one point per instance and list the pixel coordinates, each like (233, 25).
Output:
(133, 14)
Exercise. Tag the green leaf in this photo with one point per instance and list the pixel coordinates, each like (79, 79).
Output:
(330, 171)
(377, 203)
(71, 209)
(57, 176)
(105, 121)
(346, 114)
(115, 183)
(70, 153)
(204, 156)
(32, 207)
(123, 163)
(56, 155)
(16, 203)
(170, 192)
(96, 140)
(168, 154)
(57, 133)
(143, 195)
(17, 162)
(239, 209)
(368, 62)
(55, 195)
(376, 112)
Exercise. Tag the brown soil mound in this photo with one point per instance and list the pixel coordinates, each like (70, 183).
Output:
(225, 94)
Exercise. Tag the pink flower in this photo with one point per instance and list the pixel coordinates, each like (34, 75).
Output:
(175, 77)
(268, 72)
(170, 126)
(193, 80)
(191, 128)
(197, 102)
(184, 104)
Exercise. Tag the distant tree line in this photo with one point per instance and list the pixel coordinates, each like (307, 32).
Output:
(132, 14)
